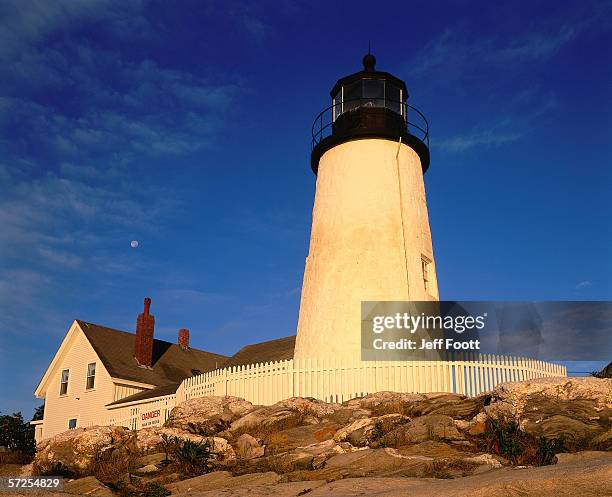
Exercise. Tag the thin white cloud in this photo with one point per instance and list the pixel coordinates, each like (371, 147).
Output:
(583, 284)
(514, 118)
(456, 51)
(487, 138)
(248, 19)
(255, 26)
(68, 209)
(536, 45)
(24, 26)
(151, 110)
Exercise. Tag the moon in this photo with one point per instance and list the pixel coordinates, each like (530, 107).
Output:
(134, 243)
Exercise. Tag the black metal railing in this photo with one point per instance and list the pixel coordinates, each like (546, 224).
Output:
(323, 125)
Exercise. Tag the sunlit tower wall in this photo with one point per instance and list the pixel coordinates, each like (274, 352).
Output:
(370, 237)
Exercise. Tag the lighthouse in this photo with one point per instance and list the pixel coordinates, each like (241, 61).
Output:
(370, 237)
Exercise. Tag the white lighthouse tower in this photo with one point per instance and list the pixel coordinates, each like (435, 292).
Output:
(370, 237)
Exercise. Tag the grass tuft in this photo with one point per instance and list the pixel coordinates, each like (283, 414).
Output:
(506, 439)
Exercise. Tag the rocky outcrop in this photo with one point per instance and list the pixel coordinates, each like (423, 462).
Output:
(312, 456)
(208, 415)
(221, 480)
(379, 462)
(432, 448)
(585, 478)
(75, 452)
(155, 458)
(413, 405)
(385, 401)
(305, 458)
(247, 447)
(282, 415)
(365, 431)
(89, 485)
(383, 435)
(576, 410)
(150, 440)
(147, 470)
(291, 438)
(423, 428)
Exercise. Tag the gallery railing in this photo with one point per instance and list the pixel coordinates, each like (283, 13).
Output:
(370, 111)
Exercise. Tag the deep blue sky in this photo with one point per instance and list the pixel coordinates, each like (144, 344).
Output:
(185, 126)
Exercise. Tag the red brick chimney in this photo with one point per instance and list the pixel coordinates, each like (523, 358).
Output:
(143, 346)
(183, 338)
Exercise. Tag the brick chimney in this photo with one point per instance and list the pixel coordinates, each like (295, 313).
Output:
(143, 346)
(183, 339)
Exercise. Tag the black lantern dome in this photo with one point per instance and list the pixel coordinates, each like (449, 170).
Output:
(369, 104)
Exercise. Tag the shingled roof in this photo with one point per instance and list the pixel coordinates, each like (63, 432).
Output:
(171, 364)
(273, 350)
(168, 389)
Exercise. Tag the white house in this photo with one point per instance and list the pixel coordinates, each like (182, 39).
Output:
(96, 366)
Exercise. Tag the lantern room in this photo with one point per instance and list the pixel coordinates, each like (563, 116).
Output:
(370, 104)
(369, 88)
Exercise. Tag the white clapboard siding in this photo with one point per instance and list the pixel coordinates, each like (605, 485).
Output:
(340, 380)
(79, 402)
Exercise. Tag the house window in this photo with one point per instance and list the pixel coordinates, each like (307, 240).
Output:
(64, 382)
(91, 376)
(72, 424)
(425, 265)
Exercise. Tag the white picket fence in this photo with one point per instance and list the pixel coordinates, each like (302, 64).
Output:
(339, 380)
